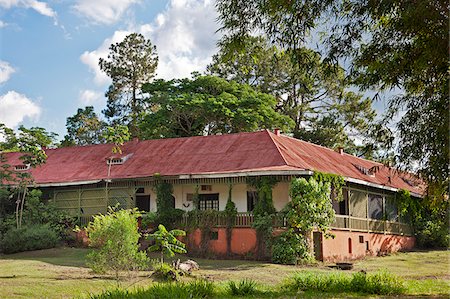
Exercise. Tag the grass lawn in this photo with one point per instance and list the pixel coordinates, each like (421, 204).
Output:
(61, 273)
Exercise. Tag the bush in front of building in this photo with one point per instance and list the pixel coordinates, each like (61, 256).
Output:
(29, 238)
(290, 247)
(114, 238)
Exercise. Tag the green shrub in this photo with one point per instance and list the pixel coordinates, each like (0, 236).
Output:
(148, 219)
(433, 234)
(242, 288)
(289, 247)
(115, 237)
(29, 238)
(165, 272)
(195, 289)
(310, 281)
(380, 283)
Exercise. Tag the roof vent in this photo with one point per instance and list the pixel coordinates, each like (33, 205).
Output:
(340, 150)
(367, 171)
(22, 167)
(277, 132)
(409, 182)
(117, 160)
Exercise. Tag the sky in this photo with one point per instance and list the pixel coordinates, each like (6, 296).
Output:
(49, 51)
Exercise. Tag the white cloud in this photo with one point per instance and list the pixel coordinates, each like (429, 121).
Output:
(89, 97)
(15, 107)
(184, 35)
(91, 58)
(3, 24)
(6, 70)
(103, 11)
(40, 7)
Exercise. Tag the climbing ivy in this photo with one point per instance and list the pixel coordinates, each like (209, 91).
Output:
(336, 183)
(310, 207)
(230, 216)
(263, 213)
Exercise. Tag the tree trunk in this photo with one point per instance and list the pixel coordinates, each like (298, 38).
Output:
(21, 206)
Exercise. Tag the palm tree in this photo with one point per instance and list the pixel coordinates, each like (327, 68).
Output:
(166, 242)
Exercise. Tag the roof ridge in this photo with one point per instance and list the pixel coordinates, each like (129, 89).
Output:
(278, 148)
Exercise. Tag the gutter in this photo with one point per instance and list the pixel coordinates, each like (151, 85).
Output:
(243, 174)
(68, 183)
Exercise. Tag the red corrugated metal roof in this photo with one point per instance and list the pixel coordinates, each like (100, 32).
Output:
(242, 152)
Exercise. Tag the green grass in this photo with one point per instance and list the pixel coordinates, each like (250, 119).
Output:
(61, 273)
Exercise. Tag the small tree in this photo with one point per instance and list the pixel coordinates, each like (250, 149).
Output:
(115, 237)
(166, 242)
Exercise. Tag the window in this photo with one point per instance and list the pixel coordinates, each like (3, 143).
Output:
(140, 190)
(189, 197)
(214, 235)
(391, 209)
(361, 239)
(209, 201)
(143, 203)
(252, 199)
(350, 245)
(341, 207)
(375, 206)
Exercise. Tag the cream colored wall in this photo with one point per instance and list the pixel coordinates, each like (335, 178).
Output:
(280, 195)
(239, 196)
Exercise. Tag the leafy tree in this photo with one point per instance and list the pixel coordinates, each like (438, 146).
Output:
(114, 238)
(388, 44)
(166, 242)
(207, 105)
(84, 128)
(32, 144)
(130, 64)
(311, 91)
(116, 135)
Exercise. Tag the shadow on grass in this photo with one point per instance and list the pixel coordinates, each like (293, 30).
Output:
(76, 257)
(61, 256)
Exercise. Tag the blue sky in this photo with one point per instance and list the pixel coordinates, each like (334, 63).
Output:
(49, 51)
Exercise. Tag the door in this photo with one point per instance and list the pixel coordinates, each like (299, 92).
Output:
(317, 241)
(143, 202)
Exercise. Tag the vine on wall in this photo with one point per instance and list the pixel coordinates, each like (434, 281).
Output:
(230, 216)
(310, 207)
(263, 213)
(336, 183)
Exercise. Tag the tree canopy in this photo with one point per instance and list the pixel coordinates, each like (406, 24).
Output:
(207, 105)
(388, 44)
(313, 93)
(130, 64)
(84, 128)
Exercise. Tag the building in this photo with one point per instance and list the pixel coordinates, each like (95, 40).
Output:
(74, 178)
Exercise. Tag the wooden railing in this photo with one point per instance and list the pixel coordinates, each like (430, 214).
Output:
(349, 223)
(342, 222)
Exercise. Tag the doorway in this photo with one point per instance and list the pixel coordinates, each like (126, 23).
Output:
(317, 244)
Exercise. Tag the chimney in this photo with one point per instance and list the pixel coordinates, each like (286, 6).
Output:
(276, 132)
(340, 150)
